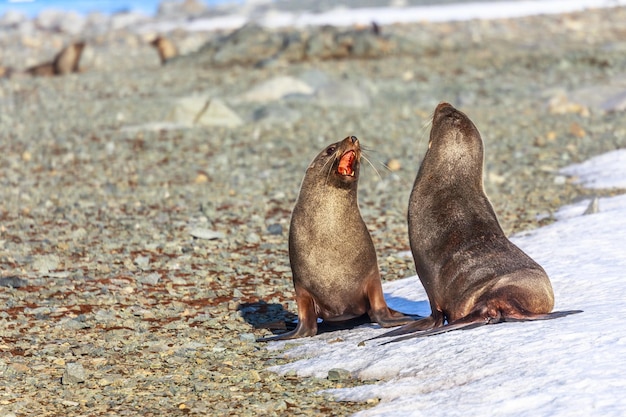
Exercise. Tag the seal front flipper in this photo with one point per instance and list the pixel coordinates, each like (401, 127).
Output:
(307, 318)
(379, 311)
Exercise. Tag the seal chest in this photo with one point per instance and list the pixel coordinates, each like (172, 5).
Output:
(333, 260)
(472, 274)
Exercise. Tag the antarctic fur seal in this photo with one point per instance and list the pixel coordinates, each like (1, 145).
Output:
(332, 256)
(473, 275)
(65, 62)
(166, 49)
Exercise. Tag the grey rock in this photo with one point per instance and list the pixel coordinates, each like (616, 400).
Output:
(142, 261)
(615, 103)
(150, 279)
(248, 45)
(273, 115)
(74, 374)
(127, 19)
(207, 234)
(72, 23)
(12, 18)
(593, 207)
(202, 111)
(13, 282)
(177, 8)
(46, 263)
(338, 374)
(253, 238)
(276, 88)
(342, 94)
(247, 337)
(275, 229)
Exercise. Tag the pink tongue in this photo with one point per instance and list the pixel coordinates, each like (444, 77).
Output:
(345, 164)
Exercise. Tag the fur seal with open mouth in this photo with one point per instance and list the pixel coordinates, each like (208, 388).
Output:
(332, 256)
(473, 275)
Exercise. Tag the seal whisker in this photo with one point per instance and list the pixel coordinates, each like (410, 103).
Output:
(332, 162)
(372, 165)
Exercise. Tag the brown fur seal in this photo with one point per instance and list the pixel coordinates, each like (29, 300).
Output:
(473, 275)
(166, 49)
(333, 261)
(65, 62)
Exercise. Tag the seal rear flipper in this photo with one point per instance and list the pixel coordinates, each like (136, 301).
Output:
(439, 330)
(476, 319)
(547, 316)
(416, 326)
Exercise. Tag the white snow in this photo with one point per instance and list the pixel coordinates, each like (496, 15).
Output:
(599, 172)
(388, 15)
(572, 366)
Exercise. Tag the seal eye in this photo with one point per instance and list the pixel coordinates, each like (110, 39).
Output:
(331, 150)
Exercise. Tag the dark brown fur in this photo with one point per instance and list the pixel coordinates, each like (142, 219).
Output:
(333, 261)
(166, 49)
(65, 62)
(471, 272)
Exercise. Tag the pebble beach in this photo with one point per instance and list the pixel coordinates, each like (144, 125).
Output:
(144, 208)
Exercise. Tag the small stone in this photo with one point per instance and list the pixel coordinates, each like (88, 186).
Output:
(46, 263)
(247, 337)
(291, 374)
(394, 165)
(142, 261)
(576, 130)
(201, 178)
(79, 233)
(18, 367)
(275, 229)
(593, 207)
(74, 374)
(253, 238)
(277, 88)
(69, 403)
(338, 374)
(13, 282)
(150, 279)
(207, 234)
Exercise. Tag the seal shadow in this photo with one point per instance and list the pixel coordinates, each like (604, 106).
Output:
(262, 315)
(273, 317)
(409, 307)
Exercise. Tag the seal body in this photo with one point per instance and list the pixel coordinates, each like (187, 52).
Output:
(471, 272)
(333, 260)
(166, 49)
(65, 62)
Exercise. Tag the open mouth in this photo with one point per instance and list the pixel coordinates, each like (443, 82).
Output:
(346, 164)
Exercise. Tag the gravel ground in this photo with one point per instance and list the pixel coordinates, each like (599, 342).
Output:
(112, 307)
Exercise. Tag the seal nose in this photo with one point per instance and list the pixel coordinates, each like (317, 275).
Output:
(354, 139)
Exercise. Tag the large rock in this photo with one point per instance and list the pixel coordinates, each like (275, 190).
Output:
(254, 45)
(203, 111)
(342, 94)
(277, 88)
(181, 8)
